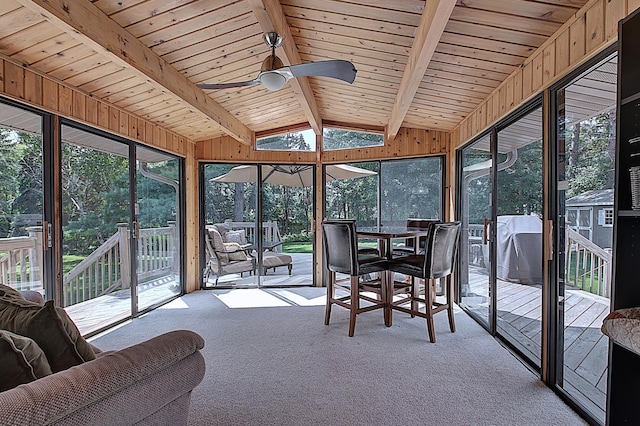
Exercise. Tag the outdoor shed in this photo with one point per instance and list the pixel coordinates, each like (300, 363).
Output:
(591, 214)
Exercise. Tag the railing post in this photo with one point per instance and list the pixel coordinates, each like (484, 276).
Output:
(125, 254)
(607, 274)
(173, 247)
(36, 258)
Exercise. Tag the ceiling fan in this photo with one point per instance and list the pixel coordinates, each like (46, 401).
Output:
(274, 75)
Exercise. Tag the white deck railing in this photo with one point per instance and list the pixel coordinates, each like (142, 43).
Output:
(270, 231)
(105, 270)
(588, 265)
(21, 260)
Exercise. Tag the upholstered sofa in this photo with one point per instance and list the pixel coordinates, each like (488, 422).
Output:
(148, 383)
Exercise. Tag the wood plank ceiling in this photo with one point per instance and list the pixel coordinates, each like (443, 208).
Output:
(420, 65)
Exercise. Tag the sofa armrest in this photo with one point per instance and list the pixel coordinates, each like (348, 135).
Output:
(121, 387)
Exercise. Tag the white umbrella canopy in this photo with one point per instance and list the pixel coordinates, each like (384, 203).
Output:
(292, 175)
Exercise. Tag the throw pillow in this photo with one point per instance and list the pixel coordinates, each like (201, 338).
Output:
(21, 360)
(623, 327)
(50, 327)
(236, 236)
(5, 290)
(235, 252)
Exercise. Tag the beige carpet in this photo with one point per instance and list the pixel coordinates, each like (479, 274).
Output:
(272, 361)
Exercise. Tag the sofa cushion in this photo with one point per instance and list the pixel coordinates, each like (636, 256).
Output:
(5, 290)
(21, 360)
(50, 327)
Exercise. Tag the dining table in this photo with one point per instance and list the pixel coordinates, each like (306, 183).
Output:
(385, 245)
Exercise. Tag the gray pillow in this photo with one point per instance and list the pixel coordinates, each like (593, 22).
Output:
(21, 360)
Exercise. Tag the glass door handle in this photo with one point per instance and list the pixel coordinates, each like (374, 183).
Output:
(485, 231)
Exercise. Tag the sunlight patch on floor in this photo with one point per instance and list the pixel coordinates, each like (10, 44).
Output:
(268, 298)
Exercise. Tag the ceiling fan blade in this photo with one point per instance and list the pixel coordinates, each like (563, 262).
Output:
(337, 68)
(211, 86)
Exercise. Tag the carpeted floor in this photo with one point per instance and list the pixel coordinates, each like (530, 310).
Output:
(272, 361)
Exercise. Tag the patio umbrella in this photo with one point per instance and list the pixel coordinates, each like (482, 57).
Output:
(292, 175)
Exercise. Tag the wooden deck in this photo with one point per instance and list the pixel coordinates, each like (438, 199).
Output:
(301, 275)
(95, 314)
(585, 347)
(99, 312)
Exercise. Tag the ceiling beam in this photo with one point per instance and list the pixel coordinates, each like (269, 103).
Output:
(435, 16)
(90, 26)
(271, 18)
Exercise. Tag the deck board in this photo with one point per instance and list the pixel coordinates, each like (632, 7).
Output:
(586, 348)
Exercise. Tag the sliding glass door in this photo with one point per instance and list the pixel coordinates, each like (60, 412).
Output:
(475, 214)
(500, 275)
(157, 227)
(518, 235)
(585, 164)
(120, 226)
(24, 232)
(96, 252)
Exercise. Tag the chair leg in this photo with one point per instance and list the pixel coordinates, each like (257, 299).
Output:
(355, 304)
(330, 295)
(429, 306)
(415, 291)
(449, 289)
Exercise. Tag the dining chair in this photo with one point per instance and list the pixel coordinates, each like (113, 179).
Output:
(409, 247)
(438, 261)
(366, 272)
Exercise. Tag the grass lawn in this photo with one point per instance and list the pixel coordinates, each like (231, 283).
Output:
(69, 261)
(297, 247)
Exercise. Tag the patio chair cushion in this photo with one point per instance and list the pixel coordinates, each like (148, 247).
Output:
(623, 327)
(236, 236)
(273, 260)
(218, 245)
(50, 327)
(235, 252)
(21, 360)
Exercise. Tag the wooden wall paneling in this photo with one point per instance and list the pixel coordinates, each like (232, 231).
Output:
(32, 87)
(13, 80)
(103, 115)
(536, 72)
(91, 115)
(562, 51)
(78, 105)
(2, 75)
(148, 132)
(509, 93)
(577, 39)
(495, 99)
(133, 127)
(50, 94)
(123, 123)
(517, 87)
(590, 30)
(65, 100)
(594, 26)
(114, 119)
(548, 64)
(615, 10)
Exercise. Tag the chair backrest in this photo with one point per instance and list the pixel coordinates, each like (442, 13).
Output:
(420, 224)
(442, 247)
(341, 246)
